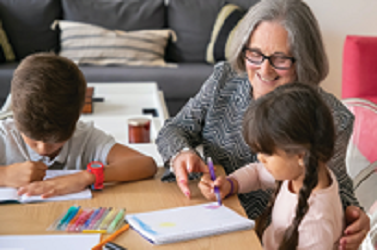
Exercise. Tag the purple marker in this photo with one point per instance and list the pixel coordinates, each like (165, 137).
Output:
(213, 177)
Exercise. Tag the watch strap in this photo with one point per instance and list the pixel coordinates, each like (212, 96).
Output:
(97, 168)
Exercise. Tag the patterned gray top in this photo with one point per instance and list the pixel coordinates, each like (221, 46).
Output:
(214, 118)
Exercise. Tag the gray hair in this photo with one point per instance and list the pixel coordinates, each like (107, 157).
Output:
(305, 40)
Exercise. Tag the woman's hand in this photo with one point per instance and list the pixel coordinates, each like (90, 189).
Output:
(58, 186)
(358, 226)
(185, 163)
(206, 186)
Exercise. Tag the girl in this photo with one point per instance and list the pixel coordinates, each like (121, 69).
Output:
(292, 130)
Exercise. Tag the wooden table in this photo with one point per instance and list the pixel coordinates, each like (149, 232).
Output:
(140, 196)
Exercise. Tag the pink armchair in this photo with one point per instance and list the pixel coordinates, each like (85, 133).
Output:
(359, 77)
(359, 93)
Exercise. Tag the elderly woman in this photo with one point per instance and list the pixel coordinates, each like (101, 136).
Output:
(277, 42)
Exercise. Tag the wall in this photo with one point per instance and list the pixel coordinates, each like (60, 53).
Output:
(338, 18)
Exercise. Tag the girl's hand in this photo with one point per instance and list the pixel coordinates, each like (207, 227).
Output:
(58, 186)
(185, 163)
(206, 186)
(20, 174)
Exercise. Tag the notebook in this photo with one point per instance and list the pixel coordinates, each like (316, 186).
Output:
(9, 195)
(186, 223)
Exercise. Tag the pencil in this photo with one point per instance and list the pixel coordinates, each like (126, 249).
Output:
(111, 237)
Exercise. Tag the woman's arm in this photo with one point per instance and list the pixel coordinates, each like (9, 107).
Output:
(337, 162)
(185, 129)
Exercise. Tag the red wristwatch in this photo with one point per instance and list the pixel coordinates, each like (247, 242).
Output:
(96, 168)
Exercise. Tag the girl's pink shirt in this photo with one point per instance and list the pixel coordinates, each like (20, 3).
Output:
(322, 226)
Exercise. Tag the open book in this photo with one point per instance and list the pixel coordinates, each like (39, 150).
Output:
(186, 223)
(9, 195)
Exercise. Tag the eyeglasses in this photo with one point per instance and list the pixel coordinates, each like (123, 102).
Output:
(276, 61)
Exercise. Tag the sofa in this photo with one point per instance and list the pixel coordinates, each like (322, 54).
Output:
(28, 28)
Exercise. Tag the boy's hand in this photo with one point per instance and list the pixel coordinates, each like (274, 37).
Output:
(58, 186)
(206, 186)
(20, 174)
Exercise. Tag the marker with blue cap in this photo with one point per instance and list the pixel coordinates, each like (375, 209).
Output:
(66, 216)
(71, 215)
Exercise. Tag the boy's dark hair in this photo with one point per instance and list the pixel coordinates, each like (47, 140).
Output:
(48, 94)
(295, 119)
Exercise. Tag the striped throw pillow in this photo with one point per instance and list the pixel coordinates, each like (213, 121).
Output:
(6, 51)
(223, 30)
(90, 44)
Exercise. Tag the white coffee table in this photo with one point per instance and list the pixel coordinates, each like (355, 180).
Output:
(122, 101)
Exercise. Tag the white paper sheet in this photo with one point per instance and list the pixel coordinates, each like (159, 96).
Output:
(48, 242)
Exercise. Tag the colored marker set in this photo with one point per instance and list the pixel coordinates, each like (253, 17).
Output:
(89, 220)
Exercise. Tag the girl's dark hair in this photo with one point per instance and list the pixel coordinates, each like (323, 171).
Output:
(295, 119)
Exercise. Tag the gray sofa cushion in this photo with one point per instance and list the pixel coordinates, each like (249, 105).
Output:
(193, 22)
(27, 24)
(122, 15)
(218, 49)
(244, 4)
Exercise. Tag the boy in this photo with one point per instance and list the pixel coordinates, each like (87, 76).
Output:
(48, 94)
